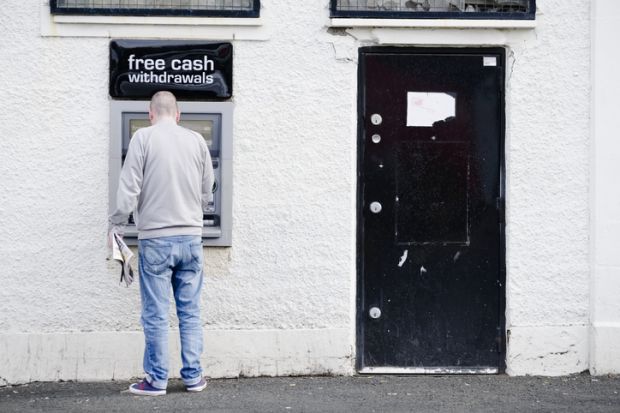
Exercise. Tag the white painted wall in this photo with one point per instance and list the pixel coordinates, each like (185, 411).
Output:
(282, 299)
(282, 295)
(605, 167)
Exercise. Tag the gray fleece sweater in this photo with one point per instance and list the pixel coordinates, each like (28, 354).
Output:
(166, 181)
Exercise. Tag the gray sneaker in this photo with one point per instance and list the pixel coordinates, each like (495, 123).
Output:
(200, 386)
(144, 388)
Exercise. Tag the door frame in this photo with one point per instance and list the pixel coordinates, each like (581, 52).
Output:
(359, 302)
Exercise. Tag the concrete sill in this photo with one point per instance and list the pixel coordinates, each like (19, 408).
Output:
(158, 20)
(434, 23)
(152, 27)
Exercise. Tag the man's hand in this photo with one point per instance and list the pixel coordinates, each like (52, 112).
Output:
(112, 230)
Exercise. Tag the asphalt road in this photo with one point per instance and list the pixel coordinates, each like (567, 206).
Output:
(581, 393)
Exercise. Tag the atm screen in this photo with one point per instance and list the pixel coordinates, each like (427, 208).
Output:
(203, 126)
(135, 124)
(207, 125)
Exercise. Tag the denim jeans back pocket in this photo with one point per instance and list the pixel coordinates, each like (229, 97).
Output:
(157, 257)
(197, 254)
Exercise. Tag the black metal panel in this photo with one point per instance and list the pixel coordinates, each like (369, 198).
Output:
(442, 294)
(431, 186)
(135, 11)
(192, 70)
(386, 13)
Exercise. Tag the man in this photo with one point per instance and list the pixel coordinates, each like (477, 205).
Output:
(168, 176)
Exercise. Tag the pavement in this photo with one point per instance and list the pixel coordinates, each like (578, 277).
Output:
(579, 393)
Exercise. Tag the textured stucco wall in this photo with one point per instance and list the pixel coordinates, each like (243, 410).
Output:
(547, 193)
(292, 264)
(291, 253)
(54, 179)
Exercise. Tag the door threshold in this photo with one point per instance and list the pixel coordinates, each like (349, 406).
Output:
(429, 370)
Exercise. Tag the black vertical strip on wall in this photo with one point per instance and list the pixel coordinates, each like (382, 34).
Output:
(359, 318)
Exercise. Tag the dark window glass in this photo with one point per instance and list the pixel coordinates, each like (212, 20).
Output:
(434, 9)
(214, 8)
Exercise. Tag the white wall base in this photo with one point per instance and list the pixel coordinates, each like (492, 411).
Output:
(101, 356)
(547, 350)
(98, 356)
(605, 348)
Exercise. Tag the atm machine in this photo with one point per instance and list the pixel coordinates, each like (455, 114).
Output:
(212, 120)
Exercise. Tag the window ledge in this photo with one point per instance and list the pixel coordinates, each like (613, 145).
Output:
(152, 27)
(434, 23)
(159, 20)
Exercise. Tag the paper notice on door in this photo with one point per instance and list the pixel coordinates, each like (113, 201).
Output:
(426, 108)
(489, 61)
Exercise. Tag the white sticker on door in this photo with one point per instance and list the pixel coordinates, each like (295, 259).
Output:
(489, 61)
(426, 108)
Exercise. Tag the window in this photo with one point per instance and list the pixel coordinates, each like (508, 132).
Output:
(202, 8)
(434, 9)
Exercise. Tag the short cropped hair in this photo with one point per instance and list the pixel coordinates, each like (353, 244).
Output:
(164, 104)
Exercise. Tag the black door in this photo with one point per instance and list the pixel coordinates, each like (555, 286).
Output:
(431, 242)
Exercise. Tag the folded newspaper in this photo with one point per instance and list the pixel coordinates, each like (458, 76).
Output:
(122, 254)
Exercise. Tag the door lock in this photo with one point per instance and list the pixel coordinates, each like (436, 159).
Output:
(376, 119)
(374, 312)
(376, 207)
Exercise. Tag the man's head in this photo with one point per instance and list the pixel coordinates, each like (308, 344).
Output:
(163, 105)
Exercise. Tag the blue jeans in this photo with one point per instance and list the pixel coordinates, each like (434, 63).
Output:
(171, 263)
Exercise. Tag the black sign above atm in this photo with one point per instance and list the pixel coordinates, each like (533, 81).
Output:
(191, 70)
